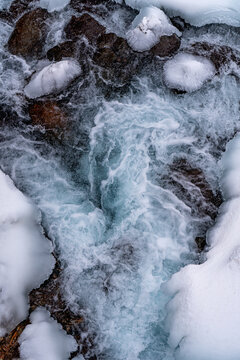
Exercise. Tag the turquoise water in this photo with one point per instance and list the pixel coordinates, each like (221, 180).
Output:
(118, 223)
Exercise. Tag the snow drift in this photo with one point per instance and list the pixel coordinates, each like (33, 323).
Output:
(203, 316)
(197, 13)
(147, 28)
(25, 259)
(188, 72)
(52, 78)
(45, 339)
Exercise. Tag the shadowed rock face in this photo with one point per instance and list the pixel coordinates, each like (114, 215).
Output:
(27, 39)
(84, 25)
(167, 46)
(63, 50)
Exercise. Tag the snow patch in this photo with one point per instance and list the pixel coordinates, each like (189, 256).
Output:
(52, 78)
(149, 25)
(203, 316)
(53, 5)
(25, 259)
(45, 339)
(197, 13)
(188, 72)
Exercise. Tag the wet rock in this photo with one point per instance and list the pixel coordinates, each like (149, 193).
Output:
(201, 242)
(49, 115)
(114, 54)
(167, 46)
(18, 7)
(29, 34)
(220, 55)
(189, 184)
(84, 25)
(64, 50)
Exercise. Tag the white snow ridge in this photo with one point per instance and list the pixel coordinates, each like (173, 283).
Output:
(147, 28)
(45, 339)
(25, 254)
(52, 78)
(203, 316)
(188, 72)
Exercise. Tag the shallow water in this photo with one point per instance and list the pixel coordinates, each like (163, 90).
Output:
(120, 225)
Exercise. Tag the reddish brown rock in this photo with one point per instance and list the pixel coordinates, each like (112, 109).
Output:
(29, 34)
(84, 25)
(49, 115)
(167, 46)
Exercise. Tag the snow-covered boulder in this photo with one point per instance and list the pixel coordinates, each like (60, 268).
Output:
(197, 13)
(52, 78)
(187, 72)
(25, 254)
(203, 315)
(45, 339)
(149, 25)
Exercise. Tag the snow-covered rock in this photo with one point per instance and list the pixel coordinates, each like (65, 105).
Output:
(25, 254)
(203, 315)
(52, 78)
(149, 25)
(187, 72)
(45, 339)
(197, 13)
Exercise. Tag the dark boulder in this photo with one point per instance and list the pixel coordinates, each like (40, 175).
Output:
(221, 56)
(27, 39)
(63, 50)
(114, 54)
(18, 7)
(167, 46)
(84, 25)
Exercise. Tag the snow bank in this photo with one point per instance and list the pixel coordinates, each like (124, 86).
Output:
(203, 316)
(197, 13)
(44, 339)
(25, 259)
(53, 5)
(188, 72)
(52, 78)
(147, 28)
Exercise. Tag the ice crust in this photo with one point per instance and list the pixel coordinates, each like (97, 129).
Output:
(197, 13)
(52, 78)
(188, 72)
(53, 5)
(203, 316)
(45, 339)
(25, 259)
(149, 25)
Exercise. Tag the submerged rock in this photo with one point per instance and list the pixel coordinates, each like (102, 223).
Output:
(84, 25)
(49, 115)
(27, 39)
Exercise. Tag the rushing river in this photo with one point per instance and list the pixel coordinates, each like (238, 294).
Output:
(119, 223)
